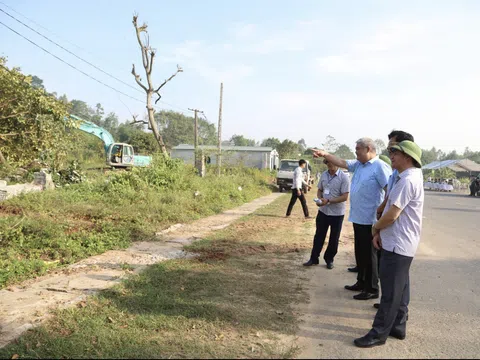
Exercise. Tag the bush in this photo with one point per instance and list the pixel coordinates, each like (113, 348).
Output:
(46, 229)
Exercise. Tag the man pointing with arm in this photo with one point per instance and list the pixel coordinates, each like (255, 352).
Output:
(370, 176)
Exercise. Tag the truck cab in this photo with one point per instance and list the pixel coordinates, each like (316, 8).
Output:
(285, 174)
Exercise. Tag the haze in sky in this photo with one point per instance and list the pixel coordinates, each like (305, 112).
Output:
(291, 69)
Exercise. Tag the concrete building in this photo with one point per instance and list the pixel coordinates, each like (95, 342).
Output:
(248, 156)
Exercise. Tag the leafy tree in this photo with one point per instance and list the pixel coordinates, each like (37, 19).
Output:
(37, 83)
(288, 149)
(271, 142)
(32, 123)
(344, 152)
(110, 122)
(431, 155)
(452, 155)
(302, 145)
(240, 140)
(330, 144)
(81, 109)
(177, 128)
(380, 145)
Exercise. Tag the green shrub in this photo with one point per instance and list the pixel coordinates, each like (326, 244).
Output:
(43, 230)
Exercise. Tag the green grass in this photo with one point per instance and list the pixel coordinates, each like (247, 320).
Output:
(234, 300)
(41, 231)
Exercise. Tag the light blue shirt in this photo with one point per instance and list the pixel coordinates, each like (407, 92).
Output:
(366, 190)
(391, 181)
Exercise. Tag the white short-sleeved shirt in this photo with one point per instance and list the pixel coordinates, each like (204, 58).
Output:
(407, 194)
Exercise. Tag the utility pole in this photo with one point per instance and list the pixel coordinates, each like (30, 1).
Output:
(198, 164)
(219, 156)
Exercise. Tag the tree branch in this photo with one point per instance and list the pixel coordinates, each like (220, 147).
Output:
(150, 67)
(15, 134)
(14, 115)
(135, 121)
(179, 69)
(137, 78)
(139, 30)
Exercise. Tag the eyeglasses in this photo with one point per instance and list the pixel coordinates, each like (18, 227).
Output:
(325, 162)
(393, 150)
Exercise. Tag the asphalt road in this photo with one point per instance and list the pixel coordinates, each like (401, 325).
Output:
(444, 316)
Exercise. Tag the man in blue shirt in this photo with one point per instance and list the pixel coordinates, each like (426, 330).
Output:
(370, 177)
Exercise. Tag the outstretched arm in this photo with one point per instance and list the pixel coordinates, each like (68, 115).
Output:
(335, 160)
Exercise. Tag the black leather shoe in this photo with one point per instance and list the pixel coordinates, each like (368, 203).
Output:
(330, 265)
(365, 296)
(368, 341)
(310, 263)
(353, 269)
(376, 305)
(354, 287)
(397, 335)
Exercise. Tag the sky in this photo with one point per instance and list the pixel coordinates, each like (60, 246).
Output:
(290, 69)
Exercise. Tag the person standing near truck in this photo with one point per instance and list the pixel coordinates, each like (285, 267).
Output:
(297, 189)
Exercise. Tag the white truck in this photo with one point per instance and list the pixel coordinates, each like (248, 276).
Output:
(285, 174)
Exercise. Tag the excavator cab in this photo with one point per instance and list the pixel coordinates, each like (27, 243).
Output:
(120, 155)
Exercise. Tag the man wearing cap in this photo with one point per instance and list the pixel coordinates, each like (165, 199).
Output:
(333, 189)
(370, 176)
(394, 138)
(397, 234)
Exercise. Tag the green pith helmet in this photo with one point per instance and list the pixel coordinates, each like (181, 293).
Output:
(386, 159)
(411, 149)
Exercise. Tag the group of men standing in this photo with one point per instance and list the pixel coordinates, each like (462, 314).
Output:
(386, 211)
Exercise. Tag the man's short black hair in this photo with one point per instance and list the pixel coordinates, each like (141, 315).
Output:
(400, 136)
(301, 162)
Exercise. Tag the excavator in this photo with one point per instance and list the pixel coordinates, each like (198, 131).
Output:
(118, 155)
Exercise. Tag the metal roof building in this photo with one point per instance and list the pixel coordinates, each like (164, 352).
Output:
(463, 167)
(249, 156)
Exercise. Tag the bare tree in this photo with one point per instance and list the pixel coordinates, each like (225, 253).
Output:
(148, 55)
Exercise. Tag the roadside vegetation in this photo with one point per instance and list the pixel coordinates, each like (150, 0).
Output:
(235, 299)
(44, 230)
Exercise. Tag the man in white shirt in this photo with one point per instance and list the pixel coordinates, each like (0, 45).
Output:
(397, 234)
(297, 189)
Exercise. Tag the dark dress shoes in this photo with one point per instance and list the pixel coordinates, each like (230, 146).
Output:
(310, 263)
(354, 287)
(353, 269)
(330, 265)
(376, 305)
(368, 341)
(397, 334)
(366, 296)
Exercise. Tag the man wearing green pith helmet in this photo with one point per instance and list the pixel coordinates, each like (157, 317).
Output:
(397, 235)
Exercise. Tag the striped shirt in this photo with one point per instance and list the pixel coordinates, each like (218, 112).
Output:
(336, 185)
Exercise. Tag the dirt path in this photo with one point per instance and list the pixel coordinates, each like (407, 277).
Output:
(28, 304)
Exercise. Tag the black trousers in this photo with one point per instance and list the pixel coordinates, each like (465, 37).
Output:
(293, 200)
(366, 257)
(395, 282)
(323, 222)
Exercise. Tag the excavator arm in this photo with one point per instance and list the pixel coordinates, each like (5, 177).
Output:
(96, 130)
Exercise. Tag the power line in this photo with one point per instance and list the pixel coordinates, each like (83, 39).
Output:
(43, 27)
(70, 52)
(73, 67)
(67, 63)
